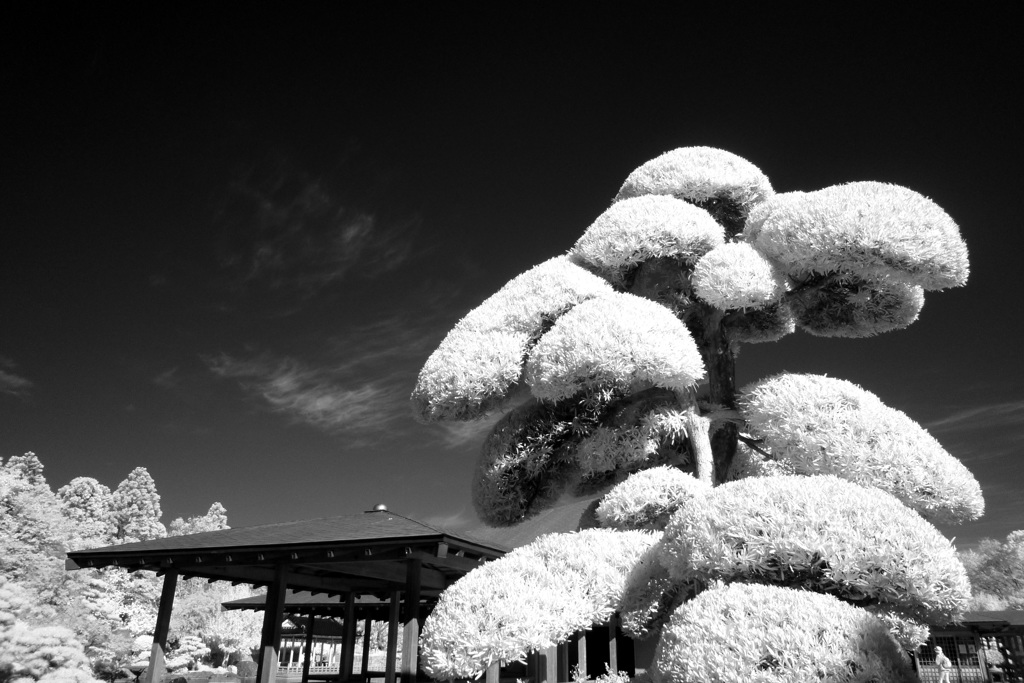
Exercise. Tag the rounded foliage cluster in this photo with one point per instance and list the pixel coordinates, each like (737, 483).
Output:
(482, 357)
(620, 341)
(532, 598)
(822, 425)
(826, 535)
(735, 275)
(868, 229)
(743, 632)
(648, 498)
(699, 174)
(641, 228)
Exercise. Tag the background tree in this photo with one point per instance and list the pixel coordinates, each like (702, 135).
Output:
(105, 610)
(136, 508)
(996, 570)
(197, 604)
(718, 501)
(90, 505)
(35, 652)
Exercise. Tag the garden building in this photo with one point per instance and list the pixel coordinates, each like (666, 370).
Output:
(372, 566)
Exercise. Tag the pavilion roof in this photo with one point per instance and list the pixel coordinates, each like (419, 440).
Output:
(363, 553)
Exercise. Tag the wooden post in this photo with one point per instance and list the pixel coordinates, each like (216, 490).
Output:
(367, 627)
(309, 649)
(613, 652)
(550, 668)
(389, 672)
(581, 653)
(411, 625)
(348, 645)
(563, 662)
(157, 662)
(270, 641)
(493, 673)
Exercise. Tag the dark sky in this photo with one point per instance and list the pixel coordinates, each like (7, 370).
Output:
(231, 239)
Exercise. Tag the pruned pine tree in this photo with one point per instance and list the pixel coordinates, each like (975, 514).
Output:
(782, 529)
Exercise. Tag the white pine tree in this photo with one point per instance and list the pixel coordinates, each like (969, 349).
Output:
(783, 529)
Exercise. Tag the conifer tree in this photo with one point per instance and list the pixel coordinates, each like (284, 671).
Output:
(136, 508)
(781, 529)
(89, 504)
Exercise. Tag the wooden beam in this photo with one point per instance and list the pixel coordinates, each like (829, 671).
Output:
(389, 673)
(411, 626)
(462, 564)
(387, 570)
(270, 642)
(157, 663)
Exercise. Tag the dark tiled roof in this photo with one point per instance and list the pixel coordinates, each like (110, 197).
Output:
(1012, 617)
(365, 527)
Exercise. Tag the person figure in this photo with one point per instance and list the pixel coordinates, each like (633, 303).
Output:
(945, 666)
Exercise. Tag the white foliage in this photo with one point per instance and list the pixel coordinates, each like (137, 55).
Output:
(648, 498)
(699, 174)
(741, 633)
(631, 446)
(822, 425)
(735, 275)
(641, 228)
(620, 341)
(870, 229)
(649, 597)
(532, 598)
(481, 358)
(822, 534)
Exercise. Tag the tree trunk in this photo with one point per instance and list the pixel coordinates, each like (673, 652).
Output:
(720, 361)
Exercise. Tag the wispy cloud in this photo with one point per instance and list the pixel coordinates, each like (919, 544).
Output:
(11, 383)
(290, 232)
(1005, 414)
(168, 379)
(314, 396)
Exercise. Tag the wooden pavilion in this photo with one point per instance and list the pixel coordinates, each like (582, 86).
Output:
(396, 561)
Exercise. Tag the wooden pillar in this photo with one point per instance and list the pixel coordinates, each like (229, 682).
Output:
(365, 664)
(613, 652)
(563, 662)
(493, 674)
(270, 641)
(550, 668)
(309, 649)
(411, 625)
(389, 673)
(157, 662)
(348, 645)
(581, 654)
